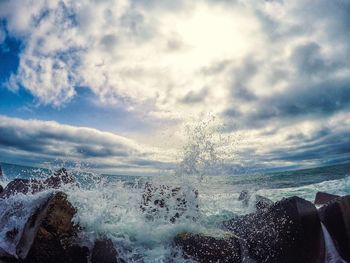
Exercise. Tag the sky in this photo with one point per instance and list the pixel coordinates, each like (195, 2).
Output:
(135, 87)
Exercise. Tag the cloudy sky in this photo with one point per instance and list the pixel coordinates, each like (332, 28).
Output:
(115, 83)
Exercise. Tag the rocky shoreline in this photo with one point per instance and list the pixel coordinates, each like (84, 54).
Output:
(290, 230)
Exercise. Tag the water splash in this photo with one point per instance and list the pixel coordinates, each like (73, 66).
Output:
(332, 255)
(207, 151)
(112, 209)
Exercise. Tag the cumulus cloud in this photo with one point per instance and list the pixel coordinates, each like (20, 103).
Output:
(269, 69)
(165, 54)
(124, 50)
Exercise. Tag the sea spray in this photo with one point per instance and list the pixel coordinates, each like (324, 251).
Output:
(206, 151)
(332, 255)
(112, 209)
(14, 213)
(110, 206)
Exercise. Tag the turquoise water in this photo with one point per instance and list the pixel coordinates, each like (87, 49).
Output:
(110, 205)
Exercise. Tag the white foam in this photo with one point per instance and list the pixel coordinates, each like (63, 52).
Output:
(332, 255)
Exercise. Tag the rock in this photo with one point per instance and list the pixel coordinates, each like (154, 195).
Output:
(33, 186)
(1, 174)
(49, 234)
(322, 198)
(77, 254)
(262, 202)
(244, 196)
(209, 249)
(9, 261)
(60, 177)
(23, 186)
(289, 231)
(335, 216)
(170, 203)
(104, 252)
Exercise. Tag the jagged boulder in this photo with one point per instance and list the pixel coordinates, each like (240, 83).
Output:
(60, 177)
(104, 252)
(244, 196)
(289, 232)
(170, 203)
(49, 235)
(335, 216)
(262, 202)
(23, 186)
(33, 186)
(55, 234)
(322, 198)
(208, 249)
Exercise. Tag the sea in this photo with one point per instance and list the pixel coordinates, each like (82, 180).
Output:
(109, 205)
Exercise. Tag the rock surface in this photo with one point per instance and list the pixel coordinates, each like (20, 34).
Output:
(48, 235)
(289, 231)
(33, 186)
(23, 186)
(244, 196)
(322, 198)
(209, 249)
(262, 202)
(104, 252)
(55, 233)
(335, 215)
(60, 177)
(169, 203)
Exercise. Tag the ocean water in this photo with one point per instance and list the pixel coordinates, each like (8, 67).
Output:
(110, 205)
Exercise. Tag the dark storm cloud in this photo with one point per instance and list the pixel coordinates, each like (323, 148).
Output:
(152, 163)
(324, 146)
(51, 140)
(323, 99)
(195, 97)
(308, 60)
(100, 151)
(41, 142)
(241, 77)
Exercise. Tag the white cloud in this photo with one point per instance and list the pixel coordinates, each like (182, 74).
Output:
(180, 60)
(126, 51)
(137, 53)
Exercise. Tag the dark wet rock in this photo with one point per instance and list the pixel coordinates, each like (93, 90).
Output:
(1, 174)
(335, 215)
(1, 189)
(209, 249)
(77, 254)
(60, 177)
(262, 202)
(244, 196)
(167, 202)
(9, 260)
(23, 186)
(322, 198)
(104, 252)
(288, 232)
(49, 234)
(11, 234)
(33, 186)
